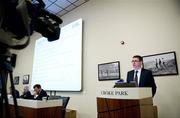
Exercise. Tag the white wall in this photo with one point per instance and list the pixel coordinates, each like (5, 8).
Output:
(146, 26)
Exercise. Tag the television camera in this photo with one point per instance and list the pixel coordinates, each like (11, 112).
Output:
(19, 18)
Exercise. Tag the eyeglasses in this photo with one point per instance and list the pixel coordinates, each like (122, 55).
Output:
(134, 61)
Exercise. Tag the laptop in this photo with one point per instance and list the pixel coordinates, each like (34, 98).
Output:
(121, 85)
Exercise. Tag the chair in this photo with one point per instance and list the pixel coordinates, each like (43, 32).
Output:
(65, 102)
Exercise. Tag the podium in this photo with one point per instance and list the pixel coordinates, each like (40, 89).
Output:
(37, 108)
(125, 103)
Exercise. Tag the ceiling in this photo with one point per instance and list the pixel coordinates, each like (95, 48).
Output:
(62, 7)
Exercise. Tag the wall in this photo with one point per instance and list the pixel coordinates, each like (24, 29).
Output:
(146, 26)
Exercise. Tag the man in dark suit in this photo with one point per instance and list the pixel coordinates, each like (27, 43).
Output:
(39, 92)
(142, 77)
(26, 93)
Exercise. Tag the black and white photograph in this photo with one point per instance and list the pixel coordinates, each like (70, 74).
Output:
(161, 64)
(26, 79)
(109, 71)
(16, 80)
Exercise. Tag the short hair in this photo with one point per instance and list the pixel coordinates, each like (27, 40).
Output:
(26, 87)
(37, 85)
(139, 57)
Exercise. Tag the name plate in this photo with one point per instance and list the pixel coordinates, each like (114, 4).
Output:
(124, 93)
(36, 103)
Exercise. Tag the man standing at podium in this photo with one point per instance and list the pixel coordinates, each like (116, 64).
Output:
(140, 76)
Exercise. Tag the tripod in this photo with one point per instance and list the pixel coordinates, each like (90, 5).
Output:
(5, 69)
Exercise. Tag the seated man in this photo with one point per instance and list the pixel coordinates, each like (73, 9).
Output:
(26, 93)
(39, 92)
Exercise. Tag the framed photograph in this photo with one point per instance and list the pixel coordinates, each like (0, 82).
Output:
(109, 71)
(161, 64)
(26, 79)
(16, 80)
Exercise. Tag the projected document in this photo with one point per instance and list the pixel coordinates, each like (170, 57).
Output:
(58, 65)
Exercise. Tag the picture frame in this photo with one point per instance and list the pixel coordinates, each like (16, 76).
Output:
(161, 64)
(109, 71)
(16, 80)
(26, 79)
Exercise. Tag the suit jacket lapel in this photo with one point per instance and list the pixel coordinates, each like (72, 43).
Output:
(141, 81)
(132, 75)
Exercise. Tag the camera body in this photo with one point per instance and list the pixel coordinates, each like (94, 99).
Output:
(20, 18)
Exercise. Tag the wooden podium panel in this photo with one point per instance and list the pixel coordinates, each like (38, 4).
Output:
(25, 112)
(37, 108)
(115, 108)
(125, 103)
